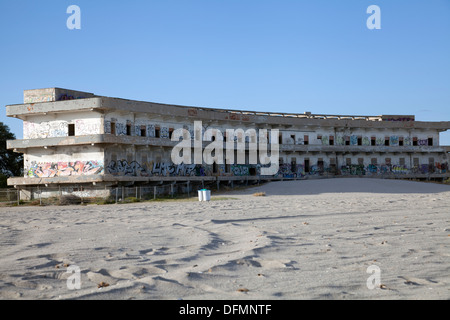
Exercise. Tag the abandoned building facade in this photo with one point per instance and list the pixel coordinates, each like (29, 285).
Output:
(78, 138)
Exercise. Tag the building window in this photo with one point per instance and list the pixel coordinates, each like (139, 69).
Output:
(402, 161)
(400, 141)
(292, 137)
(415, 141)
(307, 166)
(71, 129)
(416, 162)
(373, 141)
(306, 140)
(157, 132)
(143, 131)
(387, 161)
(348, 161)
(430, 141)
(374, 161)
(347, 141)
(387, 141)
(113, 128)
(361, 161)
(359, 141)
(320, 164)
(331, 140)
(128, 129)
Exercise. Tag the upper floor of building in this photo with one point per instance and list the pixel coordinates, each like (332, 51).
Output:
(56, 116)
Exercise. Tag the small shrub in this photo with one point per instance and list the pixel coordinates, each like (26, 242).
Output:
(69, 199)
(259, 194)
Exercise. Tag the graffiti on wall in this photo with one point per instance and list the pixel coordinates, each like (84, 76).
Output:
(166, 169)
(394, 140)
(422, 142)
(83, 127)
(107, 126)
(286, 170)
(164, 132)
(121, 129)
(240, 170)
(64, 169)
(46, 129)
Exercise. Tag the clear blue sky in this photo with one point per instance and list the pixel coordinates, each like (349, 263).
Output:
(290, 56)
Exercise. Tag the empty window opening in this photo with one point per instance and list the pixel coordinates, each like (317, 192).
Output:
(347, 141)
(71, 129)
(401, 141)
(373, 141)
(307, 165)
(280, 138)
(359, 141)
(128, 129)
(331, 140)
(306, 140)
(113, 128)
(293, 164)
(157, 132)
(293, 138)
(170, 133)
(430, 141)
(320, 164)
(386, 141)
(415, 141)
(143, 131)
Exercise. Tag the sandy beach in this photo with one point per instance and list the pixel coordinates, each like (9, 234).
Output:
(312, 239)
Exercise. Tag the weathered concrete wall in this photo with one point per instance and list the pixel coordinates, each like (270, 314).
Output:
(57, 125)
(53, 94)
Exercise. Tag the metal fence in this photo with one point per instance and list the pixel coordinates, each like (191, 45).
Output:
(84, 195)
(9, 197)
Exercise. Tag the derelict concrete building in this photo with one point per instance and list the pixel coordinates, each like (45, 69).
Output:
(80, 139)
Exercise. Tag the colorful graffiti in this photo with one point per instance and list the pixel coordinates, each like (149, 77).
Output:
(286, 170)
(240, 170)
(166, 169)
(64, 169)
(394, 141)
(395, 169)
